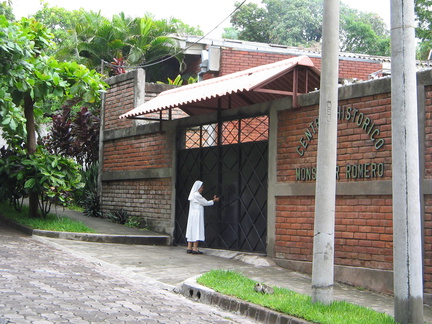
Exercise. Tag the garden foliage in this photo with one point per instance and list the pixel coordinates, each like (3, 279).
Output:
(28, 78)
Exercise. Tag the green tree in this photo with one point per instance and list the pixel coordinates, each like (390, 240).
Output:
(148, 40)
(363, 33)
(181, 28)
(299, 23)
(132, 41)
(6, 10)
(90, 38)
(61, 23)
(251, 23)
(28, 76)
(99, 39)
(295, 22)
(230, 33)
(424, 27)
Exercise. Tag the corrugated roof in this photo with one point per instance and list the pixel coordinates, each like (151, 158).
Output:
(256, 85)
(241, 45)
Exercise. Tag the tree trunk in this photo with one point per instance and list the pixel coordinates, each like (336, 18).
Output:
(31, 148)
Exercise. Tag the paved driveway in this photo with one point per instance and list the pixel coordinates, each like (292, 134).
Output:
(40, 283)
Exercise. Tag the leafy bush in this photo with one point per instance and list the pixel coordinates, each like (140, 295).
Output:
(88, 197)
(136, 221)
(89, 177)
(91, 205)
(11, 189)
(119, 216)
(75, 134)
(52, 177)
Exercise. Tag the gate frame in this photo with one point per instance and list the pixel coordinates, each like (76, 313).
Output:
(256, 110)
(219, 147)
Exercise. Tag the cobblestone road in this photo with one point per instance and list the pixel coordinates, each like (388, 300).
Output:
(42, 284)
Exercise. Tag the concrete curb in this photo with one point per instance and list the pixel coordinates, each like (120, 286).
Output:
(91, 237)
(106, 238)
(191, 289)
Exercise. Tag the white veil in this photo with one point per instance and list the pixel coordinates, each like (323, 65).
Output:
(195, 188)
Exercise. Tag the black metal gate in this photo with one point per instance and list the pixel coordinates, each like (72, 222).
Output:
(231, 158)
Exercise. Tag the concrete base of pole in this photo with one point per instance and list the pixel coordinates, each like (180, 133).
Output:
(323, 295)
(409, 310)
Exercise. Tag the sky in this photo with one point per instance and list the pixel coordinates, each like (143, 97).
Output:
(203, 13)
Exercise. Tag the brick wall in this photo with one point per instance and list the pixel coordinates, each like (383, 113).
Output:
(363, 236)
(428, 132)
(132, 161)
(363, 222)
(427, 249)
(137, 153)
(363, 125)
(236, 60)
(364, 232)
(427, 222)
(294, 228)
(148, 199)
(119, 99)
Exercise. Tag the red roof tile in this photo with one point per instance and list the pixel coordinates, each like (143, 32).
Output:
(256, 85)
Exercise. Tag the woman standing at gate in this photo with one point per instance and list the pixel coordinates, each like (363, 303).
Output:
(195, 224)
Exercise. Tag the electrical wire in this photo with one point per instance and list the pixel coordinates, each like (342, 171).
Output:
(179, 52)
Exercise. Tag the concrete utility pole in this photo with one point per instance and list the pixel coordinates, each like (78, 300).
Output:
(325, 194)
(408, 281)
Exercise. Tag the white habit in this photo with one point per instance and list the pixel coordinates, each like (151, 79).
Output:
(195, 224)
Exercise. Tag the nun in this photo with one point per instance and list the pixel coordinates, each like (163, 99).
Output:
(195, 224)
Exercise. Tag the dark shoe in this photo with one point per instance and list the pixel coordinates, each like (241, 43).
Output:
(188, 251)
(197, 252)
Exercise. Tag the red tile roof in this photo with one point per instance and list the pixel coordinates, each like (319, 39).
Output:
(256, 85)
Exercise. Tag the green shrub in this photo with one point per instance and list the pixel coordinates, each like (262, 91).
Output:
(91, 204)
(52, 178)
(136, 221)
(88, 197)
(119, 216)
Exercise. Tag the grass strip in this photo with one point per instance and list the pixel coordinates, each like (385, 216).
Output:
(49, 223)
(289, 302)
